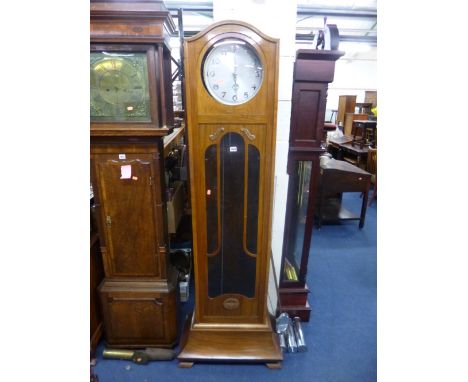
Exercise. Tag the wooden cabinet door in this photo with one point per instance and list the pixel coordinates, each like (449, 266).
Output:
(308, 114)
(134, 318)
(128, 216)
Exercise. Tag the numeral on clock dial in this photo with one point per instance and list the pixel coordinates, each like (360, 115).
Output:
(228, 69)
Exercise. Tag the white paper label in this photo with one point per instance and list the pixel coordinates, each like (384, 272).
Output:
(122, 156)
(233, 149)
(126, 171)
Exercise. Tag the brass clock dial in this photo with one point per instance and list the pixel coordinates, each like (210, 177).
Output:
(119, 87)
(232, 72)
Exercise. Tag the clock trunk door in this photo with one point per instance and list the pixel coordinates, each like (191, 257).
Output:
(128, 204)
(230, 221)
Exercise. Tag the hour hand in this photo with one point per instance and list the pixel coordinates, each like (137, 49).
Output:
(235, 86)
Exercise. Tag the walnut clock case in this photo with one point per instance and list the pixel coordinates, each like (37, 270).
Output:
(131, 112)
(231, 71)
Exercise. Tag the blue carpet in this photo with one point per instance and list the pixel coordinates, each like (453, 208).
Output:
(341, 335)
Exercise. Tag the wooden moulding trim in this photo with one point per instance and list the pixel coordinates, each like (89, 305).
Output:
(314, 54)
(96, 337)
(132, 10)
(225, 23)
(129, 132)
(287, 290)
(306, 149)
(236, 327)
(127, 39)
(138, 285)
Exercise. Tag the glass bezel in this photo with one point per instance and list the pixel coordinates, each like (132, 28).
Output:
(211, 51)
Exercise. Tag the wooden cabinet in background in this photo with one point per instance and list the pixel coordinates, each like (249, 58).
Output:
(346, 104)
(370, 96)
(348, 123)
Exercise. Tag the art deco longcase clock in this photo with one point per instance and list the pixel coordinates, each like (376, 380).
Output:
(231, 72)
(131, 111)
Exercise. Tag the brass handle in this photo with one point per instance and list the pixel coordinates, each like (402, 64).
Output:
(108, 221)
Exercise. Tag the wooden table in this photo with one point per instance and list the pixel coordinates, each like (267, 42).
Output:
(342, 149)
(335, 178)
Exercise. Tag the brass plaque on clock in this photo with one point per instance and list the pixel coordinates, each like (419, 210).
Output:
(119, 87)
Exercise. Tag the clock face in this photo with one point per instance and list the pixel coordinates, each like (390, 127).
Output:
(119, 87)
(232, 72)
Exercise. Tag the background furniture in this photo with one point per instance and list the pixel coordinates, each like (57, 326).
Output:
(349, 119)
(370, 96)
(342, 148)
(335, 178)
(131, 112)
(313, 71)
(372, 168)
(346, 104)
(364, 133)
(363, 107)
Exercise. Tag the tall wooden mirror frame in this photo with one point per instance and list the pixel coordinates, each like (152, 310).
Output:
(230, 327)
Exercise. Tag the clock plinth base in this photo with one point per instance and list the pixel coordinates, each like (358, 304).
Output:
(218, 346)
(294, 302)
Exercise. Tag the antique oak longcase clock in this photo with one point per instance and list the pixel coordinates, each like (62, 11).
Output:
(231, 73)
(131, 112)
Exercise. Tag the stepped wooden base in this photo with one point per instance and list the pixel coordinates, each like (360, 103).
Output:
(302, 311)
(294, 302)
(229, 346)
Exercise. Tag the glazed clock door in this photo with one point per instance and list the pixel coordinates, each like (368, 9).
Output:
(128, 210)
(232, 178)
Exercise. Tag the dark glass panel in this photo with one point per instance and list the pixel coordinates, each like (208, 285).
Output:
(211, 198)
(232, 270)
(253, 179)
(300, 182)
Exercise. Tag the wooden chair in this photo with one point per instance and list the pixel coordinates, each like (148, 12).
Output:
(372, 168)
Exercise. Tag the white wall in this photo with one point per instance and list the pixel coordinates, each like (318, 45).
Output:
(355, 72)
(276, 19)
(352, 77)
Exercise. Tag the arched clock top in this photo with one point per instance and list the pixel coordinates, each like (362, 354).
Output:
(229, 25)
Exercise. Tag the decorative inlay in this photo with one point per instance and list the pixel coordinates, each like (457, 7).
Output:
(247, 133)
(231, 303)
(216, 134)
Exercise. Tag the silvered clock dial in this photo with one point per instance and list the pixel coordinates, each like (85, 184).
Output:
(232, 72)
(119, 87)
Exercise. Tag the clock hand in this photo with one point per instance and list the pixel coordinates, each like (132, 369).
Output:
(235, 86)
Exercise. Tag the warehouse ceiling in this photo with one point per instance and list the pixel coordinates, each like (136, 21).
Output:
(355, 19)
